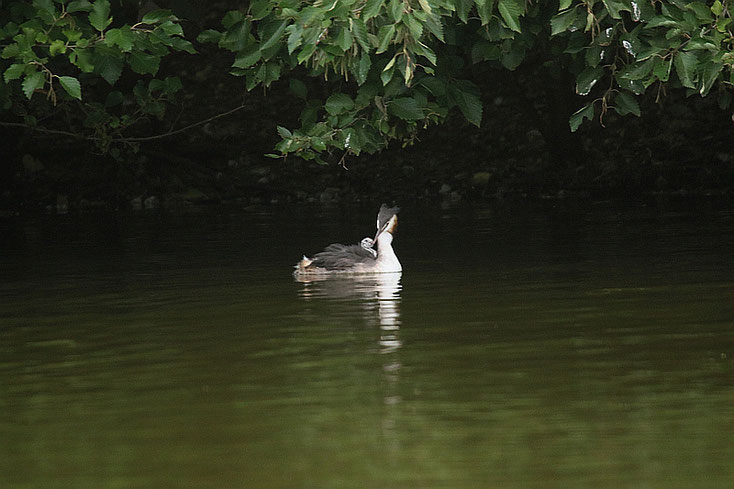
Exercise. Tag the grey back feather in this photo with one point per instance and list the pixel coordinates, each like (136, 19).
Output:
(341, 257)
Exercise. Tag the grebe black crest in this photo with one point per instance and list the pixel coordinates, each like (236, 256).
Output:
(358, 258)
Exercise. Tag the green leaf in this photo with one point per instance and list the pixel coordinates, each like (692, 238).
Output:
(511, 10)
(717, 8)
(386, 74)
(247, 57)
(284, 133)
(11, 51)
(396, 8)
(338, 103)
(365, 63)
(82, 59)
(171, 28)
(709, 74)
(587, 79)
(434, 25)
(390, 63)
(514, 56)
(561, 22)
(484, 8)
(594, 55)
(642, 11)
(463, 7)
(79, 6)
(143, 63)
(209, 35)
(685, 67)
(181, 44)
(44, 5)
(414, 25)
(108, 65)
(635, 86)
(661, 21)
(236, 37)
(72, 35)
(485, 50)
(722, 23)
(702, 11)
(156, 16)
(306, 53)
(309, 115)
(298, 88)
(14, 72)
(122, 37)
(614, 7)
(114, 99)
(466, 96)
(662, 68)
(40, 35)
(405, 108)
(72, 86)
(350, 140)
(344, 39)
(318, 143)
(359, 31)
(259, 9)
(626, 104)
(274, 36)
(427, 52)
(586, 112)
(232, 17)
(637, 71)
(294, 37)
(32, 82)
(385, 36)
(99, 17)
(564, 4)
(372, 8)
(172, 84)
(57, 47)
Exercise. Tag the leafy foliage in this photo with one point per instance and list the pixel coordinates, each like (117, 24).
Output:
(57, 48)
(401, 65)
(636, 45)
(411, 61)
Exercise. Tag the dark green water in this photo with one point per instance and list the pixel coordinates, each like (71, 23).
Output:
(519, 349)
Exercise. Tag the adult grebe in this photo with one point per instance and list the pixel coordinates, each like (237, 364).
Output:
(361, 258)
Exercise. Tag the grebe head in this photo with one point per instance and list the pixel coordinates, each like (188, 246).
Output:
(387, 220)
(385, 214)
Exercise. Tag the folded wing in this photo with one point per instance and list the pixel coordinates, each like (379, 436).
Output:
(341, 257)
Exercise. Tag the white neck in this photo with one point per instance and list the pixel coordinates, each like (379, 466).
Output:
(387, 261)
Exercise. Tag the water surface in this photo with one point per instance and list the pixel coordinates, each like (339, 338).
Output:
(547, 348)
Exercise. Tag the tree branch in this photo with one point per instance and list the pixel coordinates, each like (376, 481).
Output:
(177, 131)
(42, 129)
(130, 139)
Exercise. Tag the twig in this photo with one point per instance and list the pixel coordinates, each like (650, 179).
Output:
(130, 139)
(343, 160)
(43, 129)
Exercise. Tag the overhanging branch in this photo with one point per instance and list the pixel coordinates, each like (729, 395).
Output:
(169, 133)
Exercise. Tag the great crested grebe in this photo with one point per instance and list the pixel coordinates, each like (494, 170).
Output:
(361, 258)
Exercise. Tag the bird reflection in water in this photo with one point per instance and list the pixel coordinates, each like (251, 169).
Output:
(378, 296)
